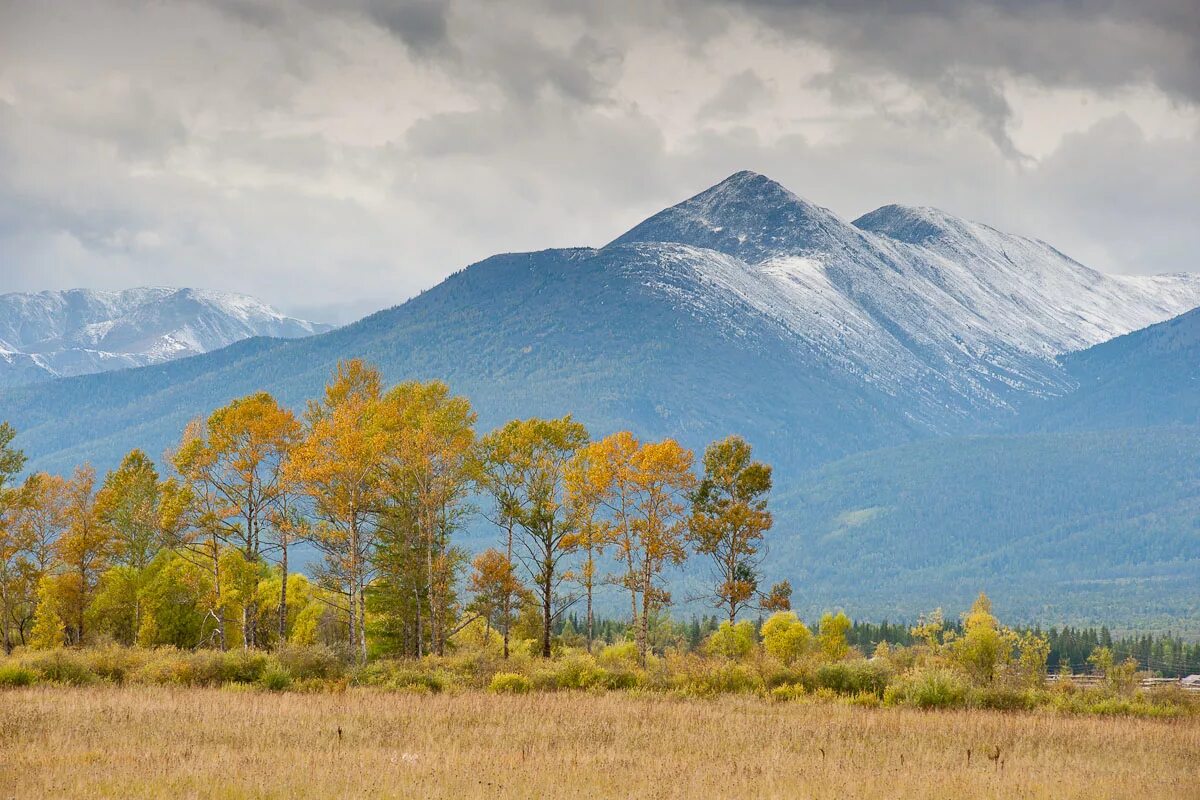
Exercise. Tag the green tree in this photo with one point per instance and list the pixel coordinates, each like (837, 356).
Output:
(729, 519)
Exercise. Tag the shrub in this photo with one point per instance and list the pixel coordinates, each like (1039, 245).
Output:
(275, 678)
(313, 661)
(619, 653)
(15, 675)
(509, 683)
(784, 692)
(864, 699)
(731, 640)
(243, 666)
(853, 677)
(1000, 699)
(393, 675)
(934, 688)
(786, 637)
(724, 678)
(60, 666)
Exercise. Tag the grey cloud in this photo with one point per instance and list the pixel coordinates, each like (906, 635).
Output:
(420, 24)
(222, 151)
(739, 94)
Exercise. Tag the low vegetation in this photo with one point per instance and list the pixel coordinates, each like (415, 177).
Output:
(986, 667)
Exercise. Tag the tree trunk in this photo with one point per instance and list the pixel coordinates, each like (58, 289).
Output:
(508, 598)
(220, 610)
(82, 603)
(283, 614)
(591, 571)
(547, 589)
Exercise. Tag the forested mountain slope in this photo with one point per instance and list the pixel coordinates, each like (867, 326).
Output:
(1089, 527)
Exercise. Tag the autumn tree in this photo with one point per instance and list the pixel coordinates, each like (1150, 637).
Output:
(593, 532)
(127, 505)
(83, 551)
(427, 459)
(236, 460)
(338, 467)
(779, 598)
(729, 519)
(985, 646)
(14, 551)
(494, 585)
(538, 452)
(643, 487)
(831, 635)
(497, 475)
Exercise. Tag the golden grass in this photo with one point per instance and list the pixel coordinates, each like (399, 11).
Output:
(142, 742)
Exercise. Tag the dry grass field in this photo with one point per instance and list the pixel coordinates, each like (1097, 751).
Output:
(142, 742)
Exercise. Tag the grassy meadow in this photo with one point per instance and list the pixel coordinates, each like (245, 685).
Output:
(107, 741)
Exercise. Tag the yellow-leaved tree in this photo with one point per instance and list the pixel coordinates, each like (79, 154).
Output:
(427, 460)
(338, 466)
(234, 465)
(643, 486)
(83, 551)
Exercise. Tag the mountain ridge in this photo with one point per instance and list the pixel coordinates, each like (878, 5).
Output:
(52, 334)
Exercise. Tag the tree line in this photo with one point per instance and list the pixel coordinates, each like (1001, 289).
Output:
(378, 482)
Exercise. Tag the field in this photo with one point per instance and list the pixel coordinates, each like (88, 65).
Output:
(142, 742)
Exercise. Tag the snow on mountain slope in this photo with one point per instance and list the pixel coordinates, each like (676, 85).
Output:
(51, 334)
(912, 300)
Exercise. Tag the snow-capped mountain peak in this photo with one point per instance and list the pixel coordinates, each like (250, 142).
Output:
(747, 215)
(911, 299)
(78, 331)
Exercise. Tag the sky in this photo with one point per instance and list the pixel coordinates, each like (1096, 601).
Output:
(334, 158)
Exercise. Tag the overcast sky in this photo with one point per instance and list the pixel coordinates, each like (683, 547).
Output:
(336, 158)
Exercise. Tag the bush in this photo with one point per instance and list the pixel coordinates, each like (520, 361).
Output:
(15, 675)
(726, 678)
(314, 661)
(243, 666)
(784, 692)
(1000, 699)
(853, 677)
(731, 640)
(60, 666)
(275, 678)
(785, 636)
(935, 688)
(864, 699)
(618, 654)
(112, 663)
(509, 683)
(393, 675)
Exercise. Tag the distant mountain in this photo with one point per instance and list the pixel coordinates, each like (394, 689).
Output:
(744, 308)
(1150, 377)
(46, 335)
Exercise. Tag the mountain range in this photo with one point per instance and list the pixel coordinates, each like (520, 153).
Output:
(913, 377)
(46, 335)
